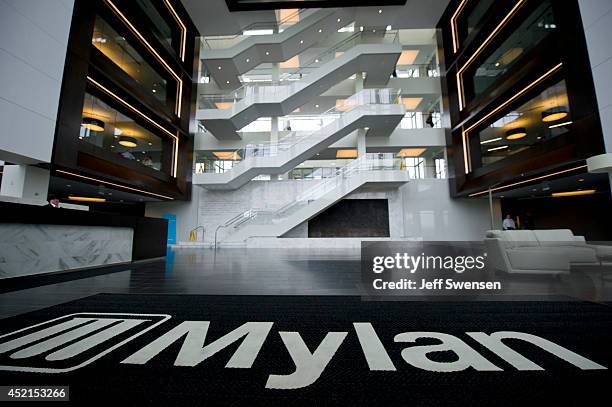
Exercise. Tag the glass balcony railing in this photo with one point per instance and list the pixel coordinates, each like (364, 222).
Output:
(337, 117)
(290, 81)
(262, 28)
(368, 162)
(417, 71)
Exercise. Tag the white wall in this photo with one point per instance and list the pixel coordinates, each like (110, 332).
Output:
(420, 209)
(431, 214)
(33, 43)
(597, 22)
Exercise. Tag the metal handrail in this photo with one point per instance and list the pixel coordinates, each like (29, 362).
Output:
(316, 192)
(253, 26)
(227, 224)
(234, 95)
(269, 148)
(333, 49)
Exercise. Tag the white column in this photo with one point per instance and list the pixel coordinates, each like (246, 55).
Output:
(274, 140)
(361, 133)
(361, 142)
(26, 182)
(275, 72)
(430, 167)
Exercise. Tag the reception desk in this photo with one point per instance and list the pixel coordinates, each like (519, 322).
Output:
(42, 239)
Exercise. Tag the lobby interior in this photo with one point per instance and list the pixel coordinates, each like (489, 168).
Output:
(233, 161)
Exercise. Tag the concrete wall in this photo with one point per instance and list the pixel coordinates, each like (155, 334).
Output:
(597, 22)
(33, 43)
(420, 209)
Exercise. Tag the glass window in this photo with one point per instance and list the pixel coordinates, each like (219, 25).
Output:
(118, 50)
(529, 34)
(415, 167)
(440, 167)
(540, 119)
(474, 17)
(161, 28)
(106, 128)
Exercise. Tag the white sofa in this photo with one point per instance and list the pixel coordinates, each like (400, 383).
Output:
(539, 251)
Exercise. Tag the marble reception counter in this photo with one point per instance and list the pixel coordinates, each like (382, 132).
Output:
(35, 239)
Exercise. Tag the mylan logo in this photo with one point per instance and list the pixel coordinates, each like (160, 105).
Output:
(73, 341)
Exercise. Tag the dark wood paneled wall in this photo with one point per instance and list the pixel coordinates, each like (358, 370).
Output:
(83, 60)
(566, 44)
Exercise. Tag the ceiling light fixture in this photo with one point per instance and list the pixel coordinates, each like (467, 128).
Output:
(86, 199)
(346, 154)
(379, 11)
(301, 41)
(411, 152)
(498, 148)
(361, 28)
(92, 124)
(573, 193)
(554, 114)
(338, 20)
(320, 30)
(128, 141)
(491, 140)
(388, 28)
(267, 52)
(515, 134)
(317, 106)
(560, 125)
(248, 60)
(219, 68)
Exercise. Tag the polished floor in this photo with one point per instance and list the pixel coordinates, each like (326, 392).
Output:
(266, 272)
(204, 271)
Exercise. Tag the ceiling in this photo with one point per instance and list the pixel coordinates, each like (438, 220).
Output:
(62, 188)
(544, 189)
(212, 17)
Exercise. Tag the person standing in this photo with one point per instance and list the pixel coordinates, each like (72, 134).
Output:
(508, 223)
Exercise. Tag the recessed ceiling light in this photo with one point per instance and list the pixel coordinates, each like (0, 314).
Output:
(320, 30)
(219, 68)
(581, 180)
(515, 134)
(248, 60)
(127, 141)
(560, 125)
(361, 28)
(498, 148)
(338, 20)
(316, 60)
(267, 52)
(317, 106)
(491, 140)
(379, 11)
(388, 28)
(86, 199)
(154, 91)
(573, 193)
(92, 124)
(373, 31)
(301, 41)
(554, 114)
(411, 152)
(227, 82)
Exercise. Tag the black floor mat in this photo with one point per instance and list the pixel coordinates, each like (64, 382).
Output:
(98, 374)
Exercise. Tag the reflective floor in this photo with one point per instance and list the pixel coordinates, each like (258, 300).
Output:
(202, 271)
(273, 272)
